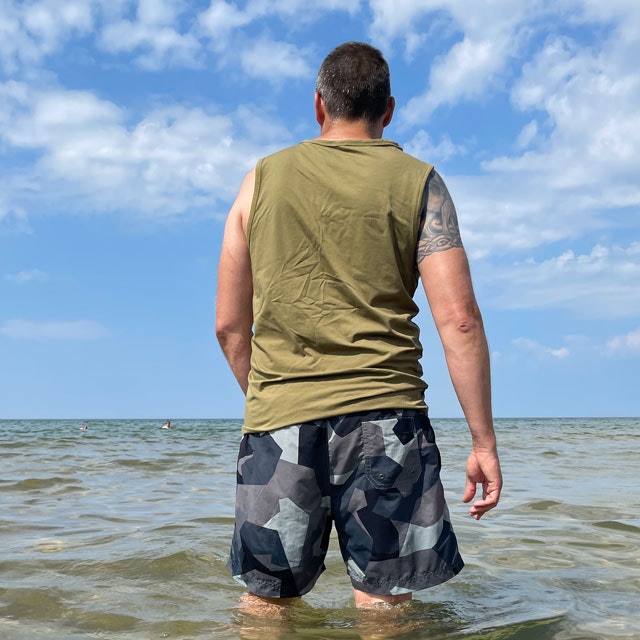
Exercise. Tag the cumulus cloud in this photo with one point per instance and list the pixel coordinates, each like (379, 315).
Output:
(274, 61)
(581, 172)
(92, 158)
(576, 159)
(594, 129)
(227, 29)
(400, 18)
(422, 146)
(601, 283)
(221, 18)
(472, 64)
(463, 73)
(31, 31)
(625, 344)
(574, 162)
(501, 215)
(20, 329)
(154, 35)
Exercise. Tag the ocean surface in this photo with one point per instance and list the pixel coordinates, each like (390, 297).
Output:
(122, 532)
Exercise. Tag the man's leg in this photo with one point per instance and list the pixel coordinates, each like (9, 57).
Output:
(264, 606)
(388, 505)
(282, 522)
(366, 600)
(250, 600)
(259, 618)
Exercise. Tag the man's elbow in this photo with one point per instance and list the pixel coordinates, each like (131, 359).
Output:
(228, 332)
(224, 331)
(464, 322)
(468, 324)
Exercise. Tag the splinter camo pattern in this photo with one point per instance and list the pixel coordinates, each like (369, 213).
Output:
(375, 475)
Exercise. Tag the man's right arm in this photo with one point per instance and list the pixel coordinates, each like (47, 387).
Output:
(444, 270)
(234, 313)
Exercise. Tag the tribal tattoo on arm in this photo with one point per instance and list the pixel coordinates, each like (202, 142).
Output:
(438, 219)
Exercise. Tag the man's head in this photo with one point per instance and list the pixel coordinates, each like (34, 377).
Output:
(354, 83)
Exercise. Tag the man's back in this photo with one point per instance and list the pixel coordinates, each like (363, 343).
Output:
(332, 234)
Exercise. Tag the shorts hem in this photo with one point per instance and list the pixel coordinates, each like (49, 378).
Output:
(268, 589)
(386, 587)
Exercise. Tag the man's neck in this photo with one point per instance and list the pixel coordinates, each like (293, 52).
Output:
(349, 130)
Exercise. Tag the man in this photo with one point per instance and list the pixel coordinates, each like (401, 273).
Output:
(320, 260)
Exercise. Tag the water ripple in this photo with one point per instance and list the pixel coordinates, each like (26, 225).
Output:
(122, 532)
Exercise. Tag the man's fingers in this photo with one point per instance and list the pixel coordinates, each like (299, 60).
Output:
(480, 507)
(484, 470)
(469, 491)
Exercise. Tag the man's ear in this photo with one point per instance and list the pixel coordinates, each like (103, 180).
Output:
(321, 112)
(389, 114)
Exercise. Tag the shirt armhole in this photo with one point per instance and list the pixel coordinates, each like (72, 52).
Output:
(254, 199)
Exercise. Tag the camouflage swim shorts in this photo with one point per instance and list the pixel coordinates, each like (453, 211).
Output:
(375, 475)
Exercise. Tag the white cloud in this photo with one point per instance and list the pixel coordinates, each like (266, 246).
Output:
(541, 351)
(579, 153)
(576, 156)
(31, 31)
(488, 39)
(601, 283)
(527, 134)
(225, 27)
(221, 18)
(174, 160)
(423, 147)
(502, 214)
(590, 103)
(274, 61)
(398, 19)
(49, 20)
(20, 329)
(31, 275)
(32, 118)
(153, 31)
(582, 173)
(625, 344)
(161, 12)
(581, 178)
(463, 73)
(161, 33)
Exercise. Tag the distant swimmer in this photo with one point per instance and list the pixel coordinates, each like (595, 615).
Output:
(83, 427)
(167, 425)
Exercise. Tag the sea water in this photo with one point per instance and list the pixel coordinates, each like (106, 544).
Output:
(122, 531)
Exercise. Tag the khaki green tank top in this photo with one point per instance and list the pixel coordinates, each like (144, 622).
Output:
(332, 235)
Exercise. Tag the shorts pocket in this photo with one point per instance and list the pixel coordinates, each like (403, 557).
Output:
(391, 451)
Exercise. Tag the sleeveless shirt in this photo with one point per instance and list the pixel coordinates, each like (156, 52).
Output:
(332, 235)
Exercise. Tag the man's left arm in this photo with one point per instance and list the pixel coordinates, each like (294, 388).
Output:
(444, 270)
(234, 310)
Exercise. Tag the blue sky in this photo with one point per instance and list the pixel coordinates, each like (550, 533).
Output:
(126, 128)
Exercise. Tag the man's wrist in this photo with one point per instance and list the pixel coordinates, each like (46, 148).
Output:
(485, 442)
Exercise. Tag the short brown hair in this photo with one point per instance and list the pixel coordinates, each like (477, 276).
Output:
(354, 83)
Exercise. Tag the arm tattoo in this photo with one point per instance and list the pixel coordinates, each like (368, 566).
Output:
(438, 219)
